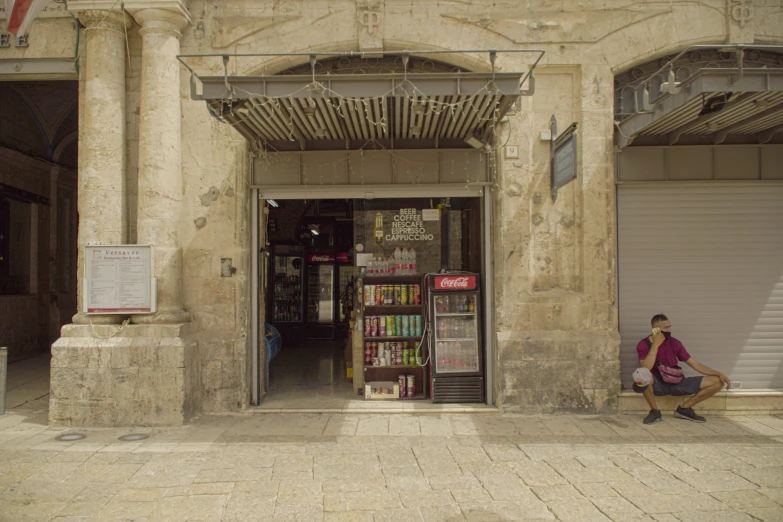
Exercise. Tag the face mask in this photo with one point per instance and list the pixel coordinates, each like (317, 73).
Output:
(667, 334)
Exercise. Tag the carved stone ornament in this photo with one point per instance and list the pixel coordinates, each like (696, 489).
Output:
(740, 11)
(369, 15)
(99, 19)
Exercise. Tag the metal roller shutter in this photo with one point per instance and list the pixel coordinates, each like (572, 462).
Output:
(709, 256)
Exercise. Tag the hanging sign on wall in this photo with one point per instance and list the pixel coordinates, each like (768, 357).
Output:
(562, 156)
(118, 280)
(408, 226)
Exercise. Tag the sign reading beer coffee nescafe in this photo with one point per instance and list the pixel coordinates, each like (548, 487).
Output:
(320, 258)
(455, 282)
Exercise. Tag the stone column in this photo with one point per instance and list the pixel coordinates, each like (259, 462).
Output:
(102, 198)
(160, 158)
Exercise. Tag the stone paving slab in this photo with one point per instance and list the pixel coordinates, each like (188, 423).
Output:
(391, 467)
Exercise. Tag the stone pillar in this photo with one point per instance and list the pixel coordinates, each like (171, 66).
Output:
(160, 158)
(102, 199)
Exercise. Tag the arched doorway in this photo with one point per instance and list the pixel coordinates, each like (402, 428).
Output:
(366, 137)
(38, 227)
(700, 207)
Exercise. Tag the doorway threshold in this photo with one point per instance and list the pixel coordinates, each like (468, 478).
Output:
(369, 407)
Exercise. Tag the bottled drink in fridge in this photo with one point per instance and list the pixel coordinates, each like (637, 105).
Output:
(413, 268)
(397, 261)
(404, 259)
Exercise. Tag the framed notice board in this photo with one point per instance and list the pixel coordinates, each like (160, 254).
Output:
(118, 280)
(562, 157)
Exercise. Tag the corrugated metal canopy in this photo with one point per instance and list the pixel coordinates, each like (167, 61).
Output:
(714, 106)
(321, 112)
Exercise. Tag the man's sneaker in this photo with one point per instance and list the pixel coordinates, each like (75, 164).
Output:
(689, 414)
(653, 416)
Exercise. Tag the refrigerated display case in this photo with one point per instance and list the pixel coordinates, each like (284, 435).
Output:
(457, 349)
(321, 296)
(288, 293)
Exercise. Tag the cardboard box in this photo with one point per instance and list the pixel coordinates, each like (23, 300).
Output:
(382, 390)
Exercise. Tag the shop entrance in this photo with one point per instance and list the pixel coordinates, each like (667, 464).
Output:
(355, 126)
(317, 258)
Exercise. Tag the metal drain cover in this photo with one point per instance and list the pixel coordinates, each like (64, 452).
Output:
(70, 437)
(134, 437)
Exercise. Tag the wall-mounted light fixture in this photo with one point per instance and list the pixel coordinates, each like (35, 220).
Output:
(474, 142)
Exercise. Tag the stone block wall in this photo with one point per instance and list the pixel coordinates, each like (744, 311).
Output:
(215, 224)
(557, 340)
(141, 376)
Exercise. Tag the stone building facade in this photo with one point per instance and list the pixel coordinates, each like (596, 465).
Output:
(156, 168)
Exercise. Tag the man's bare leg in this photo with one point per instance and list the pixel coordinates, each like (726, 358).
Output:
(710, 385)
(649, 394)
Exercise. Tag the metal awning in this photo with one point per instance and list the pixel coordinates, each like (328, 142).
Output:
(398, 110)
(710, 107)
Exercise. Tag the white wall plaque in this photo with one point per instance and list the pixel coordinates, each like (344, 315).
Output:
(363, 259)
(430, 214)
(118, 280)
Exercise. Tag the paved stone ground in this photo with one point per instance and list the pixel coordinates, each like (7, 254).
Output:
(401, 467)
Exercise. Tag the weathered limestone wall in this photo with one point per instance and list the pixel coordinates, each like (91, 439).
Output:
(557, 338)
(215, 225)
(52, 36)
(141, 376)
(555, 270)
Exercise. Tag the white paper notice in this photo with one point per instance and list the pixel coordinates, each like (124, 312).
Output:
(118, 279)
(363, 259)
(430, 214)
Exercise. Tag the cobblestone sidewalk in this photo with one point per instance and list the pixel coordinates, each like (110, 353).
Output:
(400, 468)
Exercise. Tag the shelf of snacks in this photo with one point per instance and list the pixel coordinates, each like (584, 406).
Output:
(392, 316)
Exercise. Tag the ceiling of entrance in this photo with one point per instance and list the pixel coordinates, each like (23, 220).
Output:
(702, 97)
(40, 119)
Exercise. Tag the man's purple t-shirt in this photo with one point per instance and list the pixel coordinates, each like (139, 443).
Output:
(669, 353)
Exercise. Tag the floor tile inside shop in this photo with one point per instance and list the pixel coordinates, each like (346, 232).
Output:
(309, 376)
(312, 378)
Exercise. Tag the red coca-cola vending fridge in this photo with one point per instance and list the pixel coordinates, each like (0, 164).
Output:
(455, 337)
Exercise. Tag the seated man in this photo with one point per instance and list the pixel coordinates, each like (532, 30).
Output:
(663, 349)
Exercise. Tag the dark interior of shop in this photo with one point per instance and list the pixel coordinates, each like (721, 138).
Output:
(317, 252)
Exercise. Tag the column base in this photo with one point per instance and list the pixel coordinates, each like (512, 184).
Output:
(82, 318)
(162, 317)
(144, 376)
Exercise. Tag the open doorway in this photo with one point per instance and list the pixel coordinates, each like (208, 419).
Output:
(319, 255)
(38, 229)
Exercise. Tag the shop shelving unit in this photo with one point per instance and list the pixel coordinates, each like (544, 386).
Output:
(390, 373)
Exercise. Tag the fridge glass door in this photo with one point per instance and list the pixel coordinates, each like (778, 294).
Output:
(287, 306)
(456, 334)
(320, 302)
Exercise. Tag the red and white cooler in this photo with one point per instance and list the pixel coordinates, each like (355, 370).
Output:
(455, 338)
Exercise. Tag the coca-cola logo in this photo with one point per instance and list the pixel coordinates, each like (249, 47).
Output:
(321, 258)
(455, 282)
